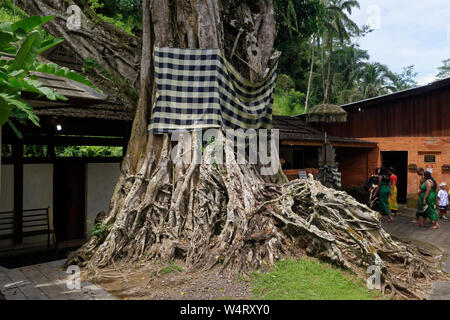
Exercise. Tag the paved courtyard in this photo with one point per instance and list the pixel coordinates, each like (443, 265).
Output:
(403, 229)
(46, 281)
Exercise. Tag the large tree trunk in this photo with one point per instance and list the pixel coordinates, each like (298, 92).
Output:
(118, 53)
(228, 215)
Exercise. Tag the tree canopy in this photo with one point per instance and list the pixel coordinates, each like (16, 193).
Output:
(340, 71)
(444, 70)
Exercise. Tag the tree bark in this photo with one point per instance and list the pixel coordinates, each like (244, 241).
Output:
(113, 49)
(311, 69)
(164, 210)
(225, 215)
(328, 80)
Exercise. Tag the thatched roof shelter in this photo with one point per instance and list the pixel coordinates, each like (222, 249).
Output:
(327, 113)
(296, 129)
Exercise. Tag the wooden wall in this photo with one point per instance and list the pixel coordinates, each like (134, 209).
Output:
(420, 116)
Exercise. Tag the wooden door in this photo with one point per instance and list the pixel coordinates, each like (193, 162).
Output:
(69, 200)
(399, 161)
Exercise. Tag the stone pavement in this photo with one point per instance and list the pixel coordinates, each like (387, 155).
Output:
(46, 281)
(403, 229)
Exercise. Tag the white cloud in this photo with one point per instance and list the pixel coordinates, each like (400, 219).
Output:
(412, 32)
(426, 79)
(448, 33)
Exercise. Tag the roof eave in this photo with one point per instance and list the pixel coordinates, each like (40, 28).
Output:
(436, 85)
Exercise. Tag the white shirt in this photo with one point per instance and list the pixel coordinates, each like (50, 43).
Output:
(443, 198)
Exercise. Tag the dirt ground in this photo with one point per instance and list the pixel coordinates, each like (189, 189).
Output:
(173, 283)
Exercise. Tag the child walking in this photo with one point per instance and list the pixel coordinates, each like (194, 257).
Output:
(443, 201)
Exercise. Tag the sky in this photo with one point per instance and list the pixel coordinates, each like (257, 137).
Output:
(407, 32)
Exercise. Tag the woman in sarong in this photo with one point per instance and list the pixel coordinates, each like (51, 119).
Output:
(427, 200)
(393, 206)
(383, 193)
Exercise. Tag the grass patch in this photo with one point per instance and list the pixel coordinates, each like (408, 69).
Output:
(307, 279)
(171, 268)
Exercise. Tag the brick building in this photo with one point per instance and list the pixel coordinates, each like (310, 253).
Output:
(300, 143)
(411, 128)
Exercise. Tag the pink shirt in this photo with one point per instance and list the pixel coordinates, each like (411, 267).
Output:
(394, 179)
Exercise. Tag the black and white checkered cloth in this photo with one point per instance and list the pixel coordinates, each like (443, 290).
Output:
(199, 88)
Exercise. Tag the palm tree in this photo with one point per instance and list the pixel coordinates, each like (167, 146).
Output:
(348, 61)
(337, 26)
(375, 79)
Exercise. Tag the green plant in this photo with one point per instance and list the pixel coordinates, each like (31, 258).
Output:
(88, 151)
(288, 103)
(125, 14)
(94, 4)
(20, 44)
(6, 151)
(35, 151)
(91, 64)
(295, 100)
(285, 82)
(100, 230)
(171, 268)
(10, 12)
(308, 279)
(444, 70)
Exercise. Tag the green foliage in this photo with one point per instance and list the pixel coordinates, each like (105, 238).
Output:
(293, 36)
(125, 14)
(95, 4)
(285, 82)
(20, 44)
(54, 69)
(35, 151)
(6, 15)
(9, 12)
(309, 280)
(41, 151)
(444, 70)
(100, 231)
(298, 18)
(88, 151)
(374, 79)
(295, 100)
(126, 24)
(6, 151)
(288, 103)
(129, 8)
(208, 142)
(92, 64)
(171, 268)
(406, 79)
(352, 76)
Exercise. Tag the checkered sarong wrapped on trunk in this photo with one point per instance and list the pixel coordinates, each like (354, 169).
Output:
(199, 88)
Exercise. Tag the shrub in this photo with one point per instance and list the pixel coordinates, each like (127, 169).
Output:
(285, 83)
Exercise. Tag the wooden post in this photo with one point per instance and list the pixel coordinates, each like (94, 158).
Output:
(17, 154)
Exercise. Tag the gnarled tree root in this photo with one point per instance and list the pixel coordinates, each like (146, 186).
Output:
(209, 214)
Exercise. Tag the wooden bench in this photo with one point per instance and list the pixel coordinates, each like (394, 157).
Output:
(35, 222)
